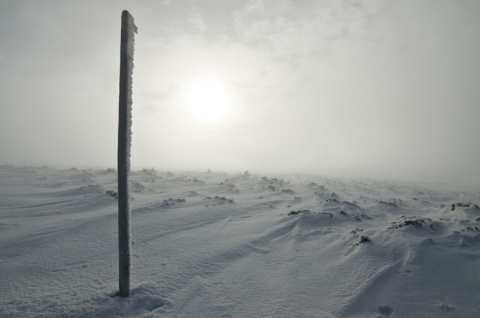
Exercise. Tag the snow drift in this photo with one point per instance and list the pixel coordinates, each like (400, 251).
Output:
(209, 244)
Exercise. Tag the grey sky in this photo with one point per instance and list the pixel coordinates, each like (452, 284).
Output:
(375, 88)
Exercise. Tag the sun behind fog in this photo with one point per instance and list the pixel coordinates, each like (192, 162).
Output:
(207, 99)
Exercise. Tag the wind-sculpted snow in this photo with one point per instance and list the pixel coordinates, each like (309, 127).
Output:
(211, 244)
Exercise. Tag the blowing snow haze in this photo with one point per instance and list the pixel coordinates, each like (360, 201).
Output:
(387, 89)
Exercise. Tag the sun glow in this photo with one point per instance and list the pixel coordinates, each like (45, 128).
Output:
(208, 100)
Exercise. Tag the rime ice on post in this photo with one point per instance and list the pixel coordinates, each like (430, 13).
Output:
(124, 144)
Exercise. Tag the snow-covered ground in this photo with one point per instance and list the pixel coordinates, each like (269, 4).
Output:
(209, 244)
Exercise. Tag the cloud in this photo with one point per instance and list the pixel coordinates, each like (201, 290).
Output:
(197, 21)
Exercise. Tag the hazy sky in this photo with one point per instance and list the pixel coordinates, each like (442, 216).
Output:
(375, 88)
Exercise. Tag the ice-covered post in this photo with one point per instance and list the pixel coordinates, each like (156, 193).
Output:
(123, 155)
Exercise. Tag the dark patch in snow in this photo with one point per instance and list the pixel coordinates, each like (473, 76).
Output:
(221, 200)
(392, 203)
(298, 212)
(385, 310)
(112, 193)
(418, 223)
(425, 223)
(364, 239)
(471, 229)
(357, 216)
(171, 202)
(351, 204)
(361, 216)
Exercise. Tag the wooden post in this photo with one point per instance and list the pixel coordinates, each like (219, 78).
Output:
(124, 145)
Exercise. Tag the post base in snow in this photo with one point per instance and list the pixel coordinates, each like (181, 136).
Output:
(115, 294)
(123, 294)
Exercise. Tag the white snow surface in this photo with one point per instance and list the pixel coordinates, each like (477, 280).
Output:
(210, 244)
